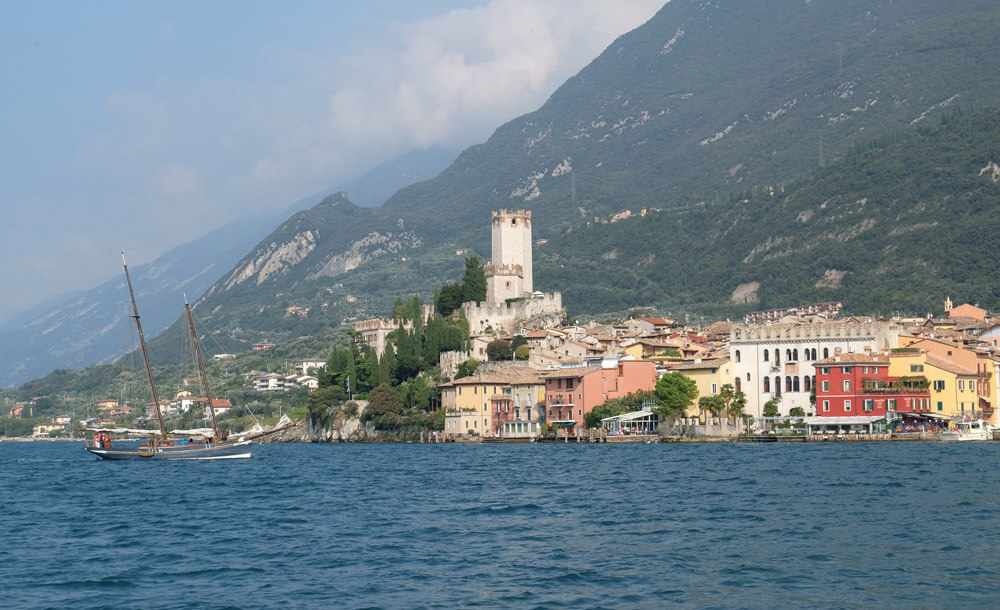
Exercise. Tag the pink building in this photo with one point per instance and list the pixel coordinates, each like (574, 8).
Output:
(571, 393)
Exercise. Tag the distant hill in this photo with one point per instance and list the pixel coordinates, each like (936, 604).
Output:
(89, 327)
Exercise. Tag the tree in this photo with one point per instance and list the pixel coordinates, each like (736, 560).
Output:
(474, 281)
(498, 349)
(324, 403)
(713, 404)
(674, 393)
(771, 408)
(518, 341)
(797, 412)
(522, 352)
(385, 405)
(449, 299)
(467, 368)
(738, 405)
(726, 393)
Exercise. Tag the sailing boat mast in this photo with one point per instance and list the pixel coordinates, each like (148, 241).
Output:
(145, 354)
(202, 370)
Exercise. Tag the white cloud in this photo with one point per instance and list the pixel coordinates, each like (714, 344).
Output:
(294, 120)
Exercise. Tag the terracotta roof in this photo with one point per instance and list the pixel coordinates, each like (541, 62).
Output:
(947, 365)
(704, 364)
(853, 358)
(577, 371)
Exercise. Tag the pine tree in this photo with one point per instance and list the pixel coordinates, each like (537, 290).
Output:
(474, 281)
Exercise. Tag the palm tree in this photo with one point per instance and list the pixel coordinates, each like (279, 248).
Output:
(738, 404)
(726, 393)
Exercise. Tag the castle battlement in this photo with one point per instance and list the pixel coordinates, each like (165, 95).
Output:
(504, 269)
(512, 218)
(823, 330)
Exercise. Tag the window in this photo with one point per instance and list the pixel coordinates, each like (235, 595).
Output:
(940, 406)
(845, 369)
(737, 355)
(825, 370)
(868, 405)
(715, 388)
(847, 384)
(806, 386)
(890, 404)
(938, 385)
(826, 405)
(847, 405)
(777, 386)
(788, 384)
(961, 384)
(767, 385)
(826, 385)
(916, 368)
(569, 384)
(795, 384)
(826, 352)
(788, 355)
(765, 355)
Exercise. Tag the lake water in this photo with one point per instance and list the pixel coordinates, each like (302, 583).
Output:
(850, 525)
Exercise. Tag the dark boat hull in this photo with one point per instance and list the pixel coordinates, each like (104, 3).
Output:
(235, 450)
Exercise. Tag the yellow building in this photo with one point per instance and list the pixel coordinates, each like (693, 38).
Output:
(709, 375)
(471, 403)
(952, 386)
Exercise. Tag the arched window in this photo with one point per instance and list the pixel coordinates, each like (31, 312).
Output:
(748, 376)
(739, 384)
(795, 384)
(765, 355)
(788, 384)
(737, 355)
(788, 356)
(826, 352)
(805, 383)
(814, 354)
(767, 385)
(777, 386)
(795, 355)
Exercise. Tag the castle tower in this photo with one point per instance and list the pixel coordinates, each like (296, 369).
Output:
(508, 275)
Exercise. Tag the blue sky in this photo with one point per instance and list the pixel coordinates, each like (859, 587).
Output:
(124, 121)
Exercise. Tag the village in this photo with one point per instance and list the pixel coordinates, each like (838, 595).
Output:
(805, 371)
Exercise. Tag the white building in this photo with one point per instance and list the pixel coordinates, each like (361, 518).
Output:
(775, 361)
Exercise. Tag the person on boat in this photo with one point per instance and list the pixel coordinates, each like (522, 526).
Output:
(107, 441)
(98, 440)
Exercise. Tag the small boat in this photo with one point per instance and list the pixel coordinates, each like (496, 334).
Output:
(211, 445)
(973, 430)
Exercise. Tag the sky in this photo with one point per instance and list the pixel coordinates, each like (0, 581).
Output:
(140, 126)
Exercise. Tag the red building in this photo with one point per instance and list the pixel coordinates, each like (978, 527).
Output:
(859, 384)
(572, 393)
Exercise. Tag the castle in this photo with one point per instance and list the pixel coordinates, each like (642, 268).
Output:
(510, 298)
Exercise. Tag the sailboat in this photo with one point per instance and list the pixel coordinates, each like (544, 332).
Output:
(214, 445)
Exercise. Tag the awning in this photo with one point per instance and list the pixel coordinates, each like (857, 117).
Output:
(563, 422)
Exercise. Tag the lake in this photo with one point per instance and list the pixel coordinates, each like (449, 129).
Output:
(846, 525)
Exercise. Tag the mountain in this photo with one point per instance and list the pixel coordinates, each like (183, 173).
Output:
(699, 113)
(706, 104)
(87, 327)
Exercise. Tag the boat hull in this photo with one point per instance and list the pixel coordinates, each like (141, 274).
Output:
(237, 450)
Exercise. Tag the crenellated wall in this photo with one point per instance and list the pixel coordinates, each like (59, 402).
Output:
(505, 317)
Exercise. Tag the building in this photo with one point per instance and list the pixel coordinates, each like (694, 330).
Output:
(509, 273)
(272, 382)
(859, 384)
(775, 361)
(511, 301)
(572, 393)
(708, 374)
(375, 332)
(483, 404)
(952, 386)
